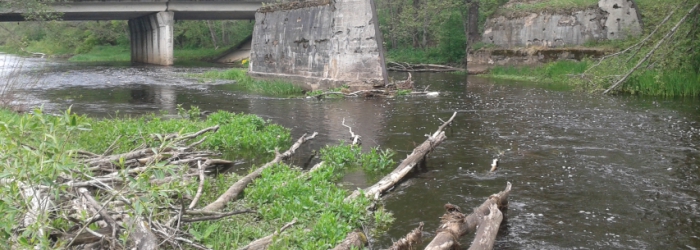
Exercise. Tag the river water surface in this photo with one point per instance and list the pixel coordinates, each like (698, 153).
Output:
(588, 171)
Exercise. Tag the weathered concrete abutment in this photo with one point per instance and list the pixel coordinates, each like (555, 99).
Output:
(319, 44)
(608, 20)
(152, 38)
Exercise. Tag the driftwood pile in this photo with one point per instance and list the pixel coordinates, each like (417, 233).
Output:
(101, 195)
(485, 220)
(389, 90)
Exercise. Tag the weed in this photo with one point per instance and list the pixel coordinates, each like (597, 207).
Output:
(247, 83)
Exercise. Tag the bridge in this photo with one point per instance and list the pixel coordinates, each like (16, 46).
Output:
(150, 21)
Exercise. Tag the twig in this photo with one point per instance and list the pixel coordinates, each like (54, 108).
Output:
(201, 186)
(355, 138)
(96, 205)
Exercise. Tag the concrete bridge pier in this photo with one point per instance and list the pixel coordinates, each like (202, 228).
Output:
(152, 38)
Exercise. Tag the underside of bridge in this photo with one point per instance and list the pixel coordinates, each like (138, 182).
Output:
(150, 21)
(152, 38)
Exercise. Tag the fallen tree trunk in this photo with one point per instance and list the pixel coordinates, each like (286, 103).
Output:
(418, 154)
(241, 184)
(455, 224)
(488, 229)
(352, 240)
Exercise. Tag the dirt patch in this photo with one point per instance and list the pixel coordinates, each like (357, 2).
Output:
(293, 5)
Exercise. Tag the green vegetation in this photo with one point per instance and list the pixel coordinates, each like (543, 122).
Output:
(109, 41)
(553, 72)
(38, 149)
(671, 71)
(246, 83)
(551, 5)
(429, 31)
(122, 53)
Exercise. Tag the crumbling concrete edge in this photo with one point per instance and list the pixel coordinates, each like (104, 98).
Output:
(315, 83)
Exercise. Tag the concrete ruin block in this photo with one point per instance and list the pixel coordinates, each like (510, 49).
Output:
(321, 46)
(609, 20)
(623, 19)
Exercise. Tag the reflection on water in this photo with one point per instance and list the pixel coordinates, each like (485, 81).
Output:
(588, 171)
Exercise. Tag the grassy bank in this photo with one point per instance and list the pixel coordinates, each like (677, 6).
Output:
(40, 149)
(246, 83)
(123, 54)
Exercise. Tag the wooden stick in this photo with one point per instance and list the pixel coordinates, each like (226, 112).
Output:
(200, 188)
(355, 138)
(241, 184)
(671, 32)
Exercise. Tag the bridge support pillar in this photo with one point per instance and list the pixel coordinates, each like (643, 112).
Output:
(152, 38)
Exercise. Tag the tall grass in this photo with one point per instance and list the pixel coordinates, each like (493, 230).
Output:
(246, 83)
(551, 72)
(548, 5)
(665, 84)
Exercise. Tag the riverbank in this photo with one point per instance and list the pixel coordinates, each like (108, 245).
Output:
(120, 53)
(48, 150)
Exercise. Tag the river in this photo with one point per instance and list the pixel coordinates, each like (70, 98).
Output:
(588, 171)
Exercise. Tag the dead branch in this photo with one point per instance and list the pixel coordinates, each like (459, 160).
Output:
(241, 184)
(200, 188)
(411, 240)
(105, 215)
(406, 165)
(455, 224)
(658, 44)
(355, 138)
(262, 243)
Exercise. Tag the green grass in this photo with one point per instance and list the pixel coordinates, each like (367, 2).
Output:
(246, 83)
(551, 72)
(35, 148)
(549, 5)
(106, 53)
(664, 84)
(417, 56)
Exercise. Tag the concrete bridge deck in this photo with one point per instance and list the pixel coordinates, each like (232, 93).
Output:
(77, 10)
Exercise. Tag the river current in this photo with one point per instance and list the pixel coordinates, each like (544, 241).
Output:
(588, 171)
